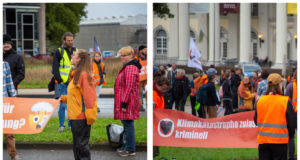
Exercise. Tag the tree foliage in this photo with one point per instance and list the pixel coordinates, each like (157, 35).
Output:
(162, 10)
(61, 18)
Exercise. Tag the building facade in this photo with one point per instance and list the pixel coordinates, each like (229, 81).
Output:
(112, 33)
(20, 21)
(227, 32)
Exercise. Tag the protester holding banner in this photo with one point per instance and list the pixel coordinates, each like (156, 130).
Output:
(160, 86)
(81, 103)
(99, 73)
(193, 93)
(227, 93)
(15, 61)
(235, 83)
(9, 91)
(275, 120)
(171, 75)
(61, 70)
(246, 94)
(143, 74)
(126, 105)
(181, 89)
(291, 92)
(212, 99)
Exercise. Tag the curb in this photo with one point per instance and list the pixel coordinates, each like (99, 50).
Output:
(69, 146)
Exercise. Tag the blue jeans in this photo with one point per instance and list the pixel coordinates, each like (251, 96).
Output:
(129, 135)
(62, 90)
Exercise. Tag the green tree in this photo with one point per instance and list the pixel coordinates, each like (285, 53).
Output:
(61, 18)
(162, 10)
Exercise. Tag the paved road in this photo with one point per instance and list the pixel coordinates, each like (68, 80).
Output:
(106, 108)
(28, 154)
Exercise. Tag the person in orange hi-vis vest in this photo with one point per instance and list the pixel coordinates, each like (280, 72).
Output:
(161, 85)
(276, 121)
(194, 88)
(142, 57)
(291, 92)
(98, 73)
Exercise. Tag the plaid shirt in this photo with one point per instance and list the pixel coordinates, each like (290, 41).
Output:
(8, 85)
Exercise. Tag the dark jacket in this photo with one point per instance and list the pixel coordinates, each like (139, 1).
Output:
(227, 93)
(17, 66)
(212, 98)
(235, 83)
(181, 88)
(56, 59)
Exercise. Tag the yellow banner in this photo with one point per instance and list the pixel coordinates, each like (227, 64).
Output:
(292, 8)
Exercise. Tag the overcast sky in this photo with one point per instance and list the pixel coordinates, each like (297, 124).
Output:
(98, 10)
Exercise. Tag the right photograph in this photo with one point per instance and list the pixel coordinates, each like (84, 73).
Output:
(225, 81)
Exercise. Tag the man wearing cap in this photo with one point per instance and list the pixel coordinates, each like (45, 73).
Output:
(15, 61)
(143, 74)
(275, 120)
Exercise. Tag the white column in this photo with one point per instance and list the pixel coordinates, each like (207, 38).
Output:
(281, 35)
(217, 34)
(211, 57)
(245, 32)
(184, 32)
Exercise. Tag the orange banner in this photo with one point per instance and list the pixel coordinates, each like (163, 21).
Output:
(180, 129)
(143, 73)
(26, 115)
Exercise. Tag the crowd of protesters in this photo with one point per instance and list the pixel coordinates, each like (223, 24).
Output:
(234, 92)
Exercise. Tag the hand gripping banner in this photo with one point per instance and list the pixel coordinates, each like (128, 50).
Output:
(26, 115)
(180, 129)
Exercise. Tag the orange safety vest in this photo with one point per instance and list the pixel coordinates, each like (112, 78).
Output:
(143, 73)
(96, 74)
(294, 100)
(197, 84)
(271, 120)
(158, 100)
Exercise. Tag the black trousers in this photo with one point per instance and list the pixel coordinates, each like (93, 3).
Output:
(193, 103)
(81, 135)
(227, 104)
(180, 103)
(272, 151)
(292, 147)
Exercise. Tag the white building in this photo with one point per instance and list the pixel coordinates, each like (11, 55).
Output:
(226, 32)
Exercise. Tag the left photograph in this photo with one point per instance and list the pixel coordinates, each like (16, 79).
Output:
(74, 81)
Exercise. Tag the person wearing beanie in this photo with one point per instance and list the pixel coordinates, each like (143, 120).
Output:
(181, 89)
(14, 71)
(15, 61)
(212, 99)
(142, 57)
(276, 121)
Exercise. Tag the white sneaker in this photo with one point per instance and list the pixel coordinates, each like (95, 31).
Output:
(17, 157)
(61, 129)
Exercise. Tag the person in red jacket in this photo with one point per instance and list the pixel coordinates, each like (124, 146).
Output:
(126, 106)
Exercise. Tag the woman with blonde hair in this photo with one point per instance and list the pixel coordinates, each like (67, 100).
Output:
(246, 94)
(98, 73)
(82, 107)
(126, 103)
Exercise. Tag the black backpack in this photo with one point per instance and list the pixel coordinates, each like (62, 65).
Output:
(201, 96)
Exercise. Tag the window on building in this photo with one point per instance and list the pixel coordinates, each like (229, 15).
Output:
(254, 42)
(193, 35)
(11, 24)
(254, 9)
(161, 42)
(254, 49)
(224, 49)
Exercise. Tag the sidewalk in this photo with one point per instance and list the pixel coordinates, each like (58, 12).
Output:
(43, 93)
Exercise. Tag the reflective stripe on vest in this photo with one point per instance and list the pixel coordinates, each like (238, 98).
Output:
(271, 120)
(96, 72)
(294, 100)
(65, 65)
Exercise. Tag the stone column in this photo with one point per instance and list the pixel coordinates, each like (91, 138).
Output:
(217, 34)
(211, 56)
(42, 29)
(245, 32)
(184, 32)
(281, 35)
